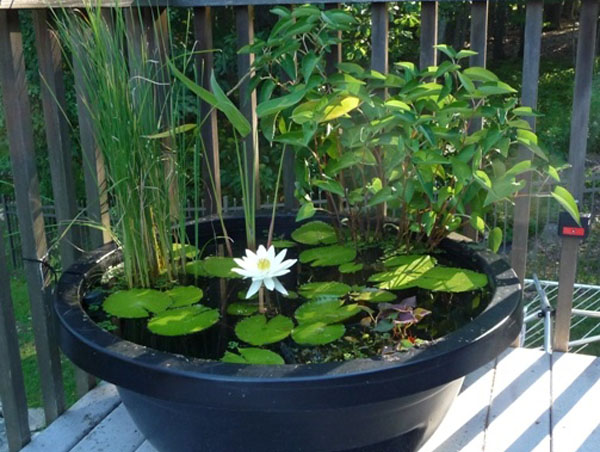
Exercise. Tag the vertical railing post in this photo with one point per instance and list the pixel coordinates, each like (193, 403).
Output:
(531, 69)
(31, 220)
(429, 34)
(244, 20)
(379, 37)
(582, 95)
(210, 135)
(12, 386)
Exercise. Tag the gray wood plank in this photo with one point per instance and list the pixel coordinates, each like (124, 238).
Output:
(531, 69)
(463, 428)
(146, 447)
(429, 34)
(520, 409)
(64, 433)
(580, 118)
(116, 432)
(244, 20)
(211, 168)
(479, 31)
(29, 207)
(379, 37)
(575, 397)
(12, 386)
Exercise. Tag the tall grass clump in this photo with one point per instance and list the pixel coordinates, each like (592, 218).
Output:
(131, 103)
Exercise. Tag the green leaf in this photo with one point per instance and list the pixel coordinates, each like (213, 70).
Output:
(493, 88)
(407, 269)
(309, 62)
(202, 93)
(256, 330)
(566, 200)
(251, 355)
(553, 173)
(242, 308)
(449, 51)
(279, 244)
(327, 310)
(369, 295)
(383, 195)
(451, 279)
(195, 268)
(235, 117)
(220, 267)
(136, 303)
(480, 74)
(306, 211)
(278, 104)
(395, 104)
(181, 321)
(189, 251)
(330, 186)
(328, 256)
(317, 333)
(328, 289)
(184, 295)
(465, 53)
(340, 107)
(314, 233)
(495, 239)
(350, 267)
(175, 131)
(477, 222)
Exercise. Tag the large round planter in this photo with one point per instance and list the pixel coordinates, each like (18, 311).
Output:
(183, 404)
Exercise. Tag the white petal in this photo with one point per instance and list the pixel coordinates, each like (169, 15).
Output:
(271, 253)
(254, 288)
(240, 262)
(288, 263)
(269, 284)
(279, 258)
(242, 271)
(261, 252)
(251, 256)
(279, 287)
(279, 272)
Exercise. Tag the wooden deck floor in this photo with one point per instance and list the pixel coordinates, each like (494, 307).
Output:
(526, 400)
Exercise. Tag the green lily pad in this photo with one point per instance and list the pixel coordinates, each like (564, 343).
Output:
(328, 310)
(184, 295)
(317, 333)
(181, 321)
(328, 256)
(196, 268)
(350, 267)
(190, 251)
(283, 244)
(324, 289)
(315, 233)
(242, 308)
(220, 267)
(375, 296)
(256, 330)
(451, 279)
(251, 355)
(136, 303)
(291, 295)
(408, 269)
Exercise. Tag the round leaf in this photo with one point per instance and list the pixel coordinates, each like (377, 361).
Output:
(220, 267)
(328, 256)
(181, 321)
(136, 303)
(350, 267)
(324, 289)
(257, 330)
(318, 333)
(253, 355)
(375, 296)
(451, 279)
(327, 310)
(184, 295)
(195, 268)
(242, 309)
(315, 233)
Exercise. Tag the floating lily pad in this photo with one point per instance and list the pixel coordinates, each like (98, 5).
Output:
(181, 321)
(375, 296)
(136, 303)
(328, 256)
(451, 279)
(328, 310)
(324, 289)
(190, 251)
(220, 267)
(283, 244)
(253, 355)
(196, 268)
(242, 309)
(315, 233)
(184, 295)
(291, 295)
(317, 333)
(350, 267)
(409, 269)
(257, 330)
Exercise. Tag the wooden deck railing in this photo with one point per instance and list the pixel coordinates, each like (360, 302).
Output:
(29, 205)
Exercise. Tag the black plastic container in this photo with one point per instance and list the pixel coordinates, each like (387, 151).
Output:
(183, 404)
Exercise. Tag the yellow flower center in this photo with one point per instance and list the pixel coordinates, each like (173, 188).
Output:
(263, 264)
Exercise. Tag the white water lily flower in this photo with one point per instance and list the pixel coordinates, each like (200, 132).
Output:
(264, 267)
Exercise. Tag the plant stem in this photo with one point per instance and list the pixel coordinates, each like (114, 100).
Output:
(261, 300)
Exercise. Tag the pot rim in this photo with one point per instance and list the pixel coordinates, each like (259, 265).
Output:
(450, 357)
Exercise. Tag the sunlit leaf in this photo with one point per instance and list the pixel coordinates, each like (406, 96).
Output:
(323, 289)
(317, 333)
(136, 303)
(182, 321)
(184, 295)
(251, 355)
(256, 330)
(314, 233)
(328, 256)
(328, 310)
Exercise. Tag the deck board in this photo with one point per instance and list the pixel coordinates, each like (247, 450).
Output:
(526, 400)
